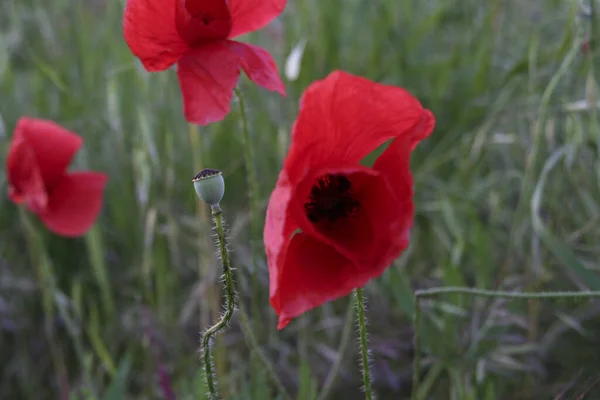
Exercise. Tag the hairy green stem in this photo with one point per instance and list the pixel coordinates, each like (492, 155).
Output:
(229, 303)
(253, 199)
(364, 347)
(419, 294)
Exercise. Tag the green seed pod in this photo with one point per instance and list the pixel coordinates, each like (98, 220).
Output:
(210, 186)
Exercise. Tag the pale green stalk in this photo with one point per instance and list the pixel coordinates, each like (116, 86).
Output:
(419, 294)
(253, 200)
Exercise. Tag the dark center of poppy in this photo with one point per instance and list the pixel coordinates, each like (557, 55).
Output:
(206, 18)
(331, 199)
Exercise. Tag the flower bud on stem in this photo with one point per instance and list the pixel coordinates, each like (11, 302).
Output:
(210, 187)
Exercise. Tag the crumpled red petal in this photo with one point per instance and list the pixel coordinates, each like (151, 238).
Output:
(75, 203)
(394, 165)
(39, 156)
(343, 118)
(422, 129)
(311, 275)
(54, 146)
(394, 162)
(258, 64)
(279, 227)
(251, 15)
(207, 77)
(392, 208)
(26, 184)
(150, 30)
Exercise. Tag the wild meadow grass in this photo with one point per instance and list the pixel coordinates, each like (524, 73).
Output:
(507, 194)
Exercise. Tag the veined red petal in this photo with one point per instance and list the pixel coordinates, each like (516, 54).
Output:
(26, 184)
(311, 274)
(391, 208)
(251, 15)
(199, 21)
(207, 76)
(150, 30)
(422, 129)
(394, 162)
(343, 118)
(52, 145)
(75, 203)
(394, 166)
(278, 231)
(258, 65)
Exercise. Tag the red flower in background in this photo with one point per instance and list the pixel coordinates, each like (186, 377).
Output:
(333, 224)
(195, 34)
(36, 167)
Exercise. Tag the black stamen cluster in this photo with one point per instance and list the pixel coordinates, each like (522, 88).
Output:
(331, 199)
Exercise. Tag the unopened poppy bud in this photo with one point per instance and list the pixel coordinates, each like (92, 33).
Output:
(210, 186)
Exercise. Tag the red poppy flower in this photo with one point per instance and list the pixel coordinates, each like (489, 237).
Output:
(196, 35)
(333, 224)
(36, 167)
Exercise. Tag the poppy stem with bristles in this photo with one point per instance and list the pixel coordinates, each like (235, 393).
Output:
(364, 346)
(230, 300)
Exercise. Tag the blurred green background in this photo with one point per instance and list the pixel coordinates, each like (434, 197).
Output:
(507, 194)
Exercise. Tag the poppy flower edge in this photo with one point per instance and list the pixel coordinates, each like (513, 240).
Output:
(252, 15)
(196, 35)
(37, 162)
(75, 203)
(151, 34)
(353, 220)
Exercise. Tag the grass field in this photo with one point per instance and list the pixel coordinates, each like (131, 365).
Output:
(507, 194)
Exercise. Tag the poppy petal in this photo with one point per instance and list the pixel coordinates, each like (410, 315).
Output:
(251, 15)
(75, 203)
(207, 77)
(393, 212)
(53, 146)
(279, 228)
(394, 165)
(344, 117)
(26, 184)
(422, 129)
(311, 275)
(394, 162)
(259, 66)
(150, 30)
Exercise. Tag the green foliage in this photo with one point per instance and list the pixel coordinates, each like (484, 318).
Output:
(95, 318)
